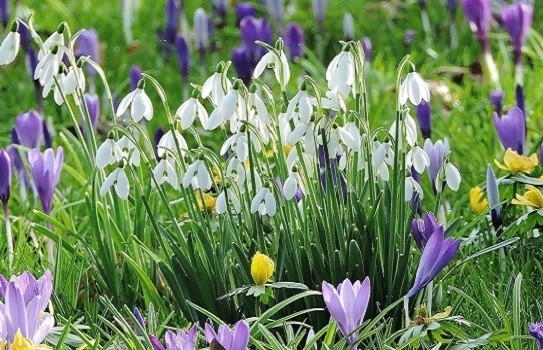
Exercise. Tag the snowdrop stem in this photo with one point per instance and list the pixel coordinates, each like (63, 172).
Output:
(9, 238)
(399, 81)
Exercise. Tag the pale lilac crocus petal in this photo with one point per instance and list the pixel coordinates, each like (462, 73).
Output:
(15, 312)
(210, 333)
(155, 343)
(333, 303)
(511, 129)
(240, 338)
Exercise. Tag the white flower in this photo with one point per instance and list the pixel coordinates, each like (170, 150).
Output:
(198, 176)
(415, 89)
(411, 131)
(249, 181)
(412, 188)
(48, 67)
(108, 153)
(189, 110)
(293, 159)
(305, 107)
(228, 108)
(236, 171)
(418, 159)
(140, 105)
(452, 176)
(55, 39)
(226, 197)
(383, 156)
(9, 47)
(259, 106)
(74, 78)
(118, 179)
(57, 84)
(213, 88)
(238, 144)
(168, 143)
(340, 72)
(165, 172)
(350, 136)
(130, 151)
(290, 187)
(278, 61)
(264, 202)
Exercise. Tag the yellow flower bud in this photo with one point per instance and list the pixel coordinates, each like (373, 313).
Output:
(262, 268)
(477, 200)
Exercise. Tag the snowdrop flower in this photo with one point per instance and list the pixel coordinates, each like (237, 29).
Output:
(264, 202)
(383, 156)
(415, 89)
(340, 72)
(119, 181)
(411, 131)
(57, 85)
(197, 175)
(256, 102)
(412, 188)
(230, 108)
(293, 160)
(278, 61)
(213, 86)
(236, 171)
(334, 99)
(227, 197)
(130, 152)
(48, 67)
(303, 102)
(169, 141)
(238, 144)
(165, 172)
(140, 104)
(10, 45)
(291, 185)
(54, 40)
(418, 159)
(189, 110)
(108, 153)
(350, 136)
(75, 78)
(452, 177)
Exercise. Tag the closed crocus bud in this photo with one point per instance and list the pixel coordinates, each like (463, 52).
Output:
(183, 57)
(367, 47)
(319, 8)
(496, 99)
(511, 129)
(46, 168)
(424, 116)
(408, 37)
(243, 10)
(172, 21)
(5, 177)
(88, 45)
(29, 129)
(348, 27)
(276, 9)
(493, 199)
(4, 13)
(251, 30)
(262, 268)
(93, 106)
(536, 331)
(422, 3)
(244, 67)
(294, 39)
(201, 37)
(517, 20)
(135, 77)
(452, 5)
(479, 15)
(219, 8)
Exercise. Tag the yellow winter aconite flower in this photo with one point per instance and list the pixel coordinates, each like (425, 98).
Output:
(21, 343)
(532, 198)
(208, 202)
(477, 200)
(516, 163)
(262, 268)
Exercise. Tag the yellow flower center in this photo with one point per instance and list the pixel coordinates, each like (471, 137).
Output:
(262, 268)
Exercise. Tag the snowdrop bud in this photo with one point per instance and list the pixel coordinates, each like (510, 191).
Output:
(415, 89)
(200, 28)
(348, 27)
(10, 45)
(183, 57)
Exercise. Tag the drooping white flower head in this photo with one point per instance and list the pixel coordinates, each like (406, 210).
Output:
(264, 202)
(302, 102)
(197, 175)
(55, 39)
(10, 45)
(75, 78)
(108, 153)
(165, 172)
(452, 177)
(169, 141)
(412, 188)
(411, 131)
(216, 86)
(119, 181)
(130, 151)
(277, 60)
(48, 67)
(418, 159)
(57, 85)
(340, 72)
(256, 103)
(414, 89)
(140, 104)
(190, 109)
(226, 198)
(291, 185)
(231, 107)
(236, 171)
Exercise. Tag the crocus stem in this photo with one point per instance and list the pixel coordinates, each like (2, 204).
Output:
(429, 297)
(519, 79)
(492, 69)
(9, 238)
(454, 34)
(406, 311)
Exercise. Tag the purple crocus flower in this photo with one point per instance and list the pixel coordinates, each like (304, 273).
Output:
(479, 15)
(493, 199)
(243, 10)
(319, 8)
(141, 321)
(517, 20)
(219, 8)
(30, 287)
(348, 27)
(182, 339)
(47, 137)
(424, 116)
(437, 253)
(46, 169)
(93, 106)
(29, 129)
(436, 152)
(294, 39)
(496, 99)
(452, 5)
(135, 77)
(236, 338)
(4, 13)
(24, 309)
(88, 45)
(422, 229)
(347, 304)
(183, 57)
(367, 47)
(536, 331)
(242, 64)
(511, 129)
(172, 13)
(251, 30)
(276, 9)
(5, 177)
(519, 94)
(408, 37)
(201, 37)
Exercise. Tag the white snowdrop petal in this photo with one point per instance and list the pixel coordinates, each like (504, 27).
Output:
(452, 177)
(290, 186)
(125, 102)
(110, 179)
(262, 64)
(202, 114)
(220, 204)
(270, 204)
(122, 186)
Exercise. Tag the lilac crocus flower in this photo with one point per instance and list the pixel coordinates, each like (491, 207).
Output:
(437, 253)
(496, 99)
(251, 30)
(236, 338)
(30, 287)
(493, 199)
(4, 13)
(517, 20)
(347, 304)
(536, 331)
(181, 340)
(135, 77)
(5, 177)
(436, 152)
(479, 15)
(367, 47)
(424, 116)
(422, 229)
(93, 106)
(276, 9)
(219, 8)
(172, 13)
(88, 45)
(243, 10)
(408, 37)
(294, 39)
(201, 37)
(319, 8)
(511, 129)
(29, 129)
(348, 27)
(46, 168)
(183, 57)
(141, 321)
(242, 64)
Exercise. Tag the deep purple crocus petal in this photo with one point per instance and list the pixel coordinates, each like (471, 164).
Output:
(479, 15)
(47, 137)
(511, 129)
(424, 116)
(183, 56)
(519, 95)
(29, 129)
(240, 336)
(243, 10)
(517, 20)
(367, 47)
(496, 99)
(89, 45)
(5, 177)
(46, 173)
(408, 37)
(294, 39)
(138, 316)
(243, 65)
(172, 19)
(93, 106)
(135, 76)
(4, 13)
(250, 28)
